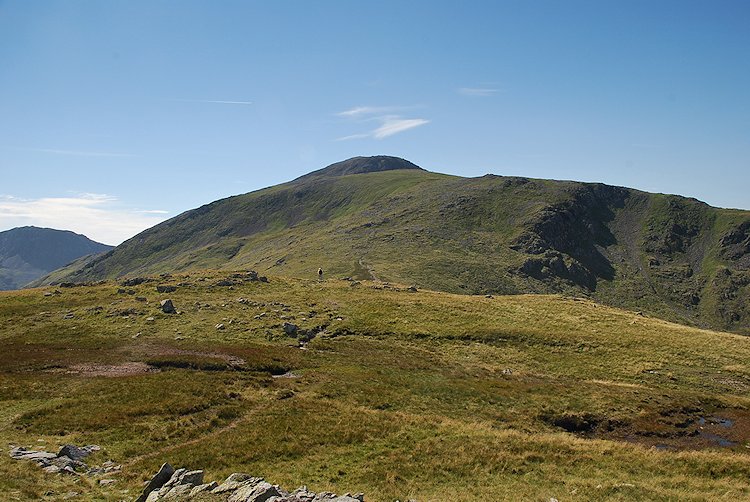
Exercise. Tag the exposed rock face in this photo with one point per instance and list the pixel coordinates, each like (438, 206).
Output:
(159, 480)
(569, 234)
(69, 460)
(175, 484)
(238, 487)
(735, 245)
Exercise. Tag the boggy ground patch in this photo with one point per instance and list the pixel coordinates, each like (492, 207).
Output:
(686, 428)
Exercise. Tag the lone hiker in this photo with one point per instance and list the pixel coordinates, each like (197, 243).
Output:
(320, 274)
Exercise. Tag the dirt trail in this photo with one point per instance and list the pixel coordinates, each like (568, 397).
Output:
(368, 268)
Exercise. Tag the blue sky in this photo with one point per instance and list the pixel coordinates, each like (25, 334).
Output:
(117, 115)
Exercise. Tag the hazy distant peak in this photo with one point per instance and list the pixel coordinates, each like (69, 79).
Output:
(360, 165)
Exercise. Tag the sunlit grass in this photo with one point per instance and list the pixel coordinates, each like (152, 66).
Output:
(404, 394)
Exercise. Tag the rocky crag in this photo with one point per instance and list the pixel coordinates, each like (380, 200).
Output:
(173, 484)
(183, 484)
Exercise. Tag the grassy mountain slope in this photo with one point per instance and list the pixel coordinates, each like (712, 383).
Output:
(400, 394)
(671, 256)
(28, 253)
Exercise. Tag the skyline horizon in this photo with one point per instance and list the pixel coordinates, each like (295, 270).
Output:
(120, 115)
(42, 226)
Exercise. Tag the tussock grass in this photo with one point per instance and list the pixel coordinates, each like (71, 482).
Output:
(403, 394)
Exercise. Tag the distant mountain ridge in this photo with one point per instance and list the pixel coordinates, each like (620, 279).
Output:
(385, 218)
(28, 253)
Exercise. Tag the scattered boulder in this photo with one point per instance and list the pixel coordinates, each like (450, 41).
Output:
(290, 329)
(162, 288)
(135, 281)
(220, 326)
(168, 307)
(159, 479)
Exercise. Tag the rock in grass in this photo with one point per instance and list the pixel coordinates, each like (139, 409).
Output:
(181, 477)
(168, 307)
(255, 493)
(236, 480)
(161, 477)
(75, 453)
(21, 453)
(290, 329)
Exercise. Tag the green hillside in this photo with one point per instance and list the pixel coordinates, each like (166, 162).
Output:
(670, 256)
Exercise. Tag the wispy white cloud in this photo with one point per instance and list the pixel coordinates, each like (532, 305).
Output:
(97, 216)
(217, 101)
(478, 92)
(354, 136)
(390, 123)
(394, 125)
(362, 111)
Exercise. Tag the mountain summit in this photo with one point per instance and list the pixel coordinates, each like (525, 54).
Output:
(666, 255)
(362, 165)
(28, 253)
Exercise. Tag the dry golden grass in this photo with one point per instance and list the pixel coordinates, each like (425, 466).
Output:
(401, 395)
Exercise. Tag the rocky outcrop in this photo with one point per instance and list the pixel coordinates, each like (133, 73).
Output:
(735, 245)
(568, 236)
(183, 484)
(158, 481)
(68, 460)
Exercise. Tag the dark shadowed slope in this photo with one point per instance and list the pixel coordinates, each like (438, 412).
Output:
(28, 253)
(671, 256)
